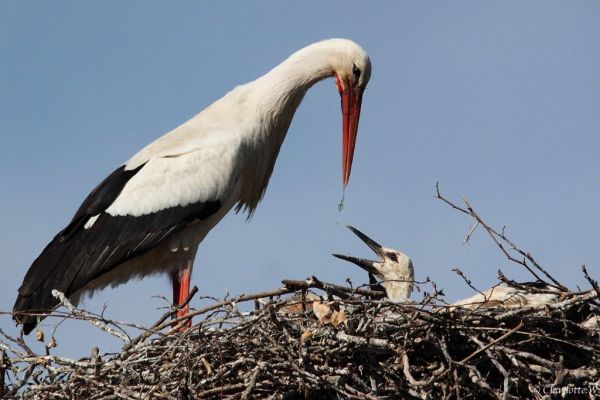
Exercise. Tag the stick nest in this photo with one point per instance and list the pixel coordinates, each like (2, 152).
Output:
(299, 346)
(311, 339)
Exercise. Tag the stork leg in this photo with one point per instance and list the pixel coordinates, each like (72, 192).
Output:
(181, 290)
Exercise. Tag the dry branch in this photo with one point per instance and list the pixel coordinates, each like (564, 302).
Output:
(376, 350)
(385, 350)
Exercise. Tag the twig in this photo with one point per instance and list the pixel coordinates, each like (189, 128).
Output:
(471, 231)
(467, 281)
(592, 282)
(158, 327)
(252, 383)
(492, 343)
(100, 323)
(498, 237)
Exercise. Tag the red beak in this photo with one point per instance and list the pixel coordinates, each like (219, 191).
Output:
(351, 101)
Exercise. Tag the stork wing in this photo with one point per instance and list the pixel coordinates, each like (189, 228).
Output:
(508, 297)
(128, 214)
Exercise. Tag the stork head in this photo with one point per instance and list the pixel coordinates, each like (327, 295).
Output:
(394, 268)
(341, 59)
(352, 70)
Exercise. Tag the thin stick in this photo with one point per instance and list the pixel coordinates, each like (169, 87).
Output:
(86, 316)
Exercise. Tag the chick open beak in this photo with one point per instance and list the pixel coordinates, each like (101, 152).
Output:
(367, 265)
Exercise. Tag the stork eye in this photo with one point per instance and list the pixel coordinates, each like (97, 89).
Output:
(392, 256)
(355, 71)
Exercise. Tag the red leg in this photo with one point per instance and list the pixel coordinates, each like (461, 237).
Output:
(181, 290)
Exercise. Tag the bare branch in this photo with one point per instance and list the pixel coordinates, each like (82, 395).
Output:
(84, 315)
(500, 239)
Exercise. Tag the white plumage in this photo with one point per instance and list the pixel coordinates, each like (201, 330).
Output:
(503, 296)
(394, 268)
(151, 214)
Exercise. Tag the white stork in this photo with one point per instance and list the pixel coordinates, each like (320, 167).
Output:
(529, 294)
(150, 214)
(394, 268)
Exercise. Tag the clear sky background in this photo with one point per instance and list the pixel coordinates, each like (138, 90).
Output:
(499, 101)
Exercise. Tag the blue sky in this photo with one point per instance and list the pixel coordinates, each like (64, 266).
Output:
(499, 101)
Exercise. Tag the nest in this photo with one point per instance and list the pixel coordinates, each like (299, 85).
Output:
(312, 339)
(327, 341)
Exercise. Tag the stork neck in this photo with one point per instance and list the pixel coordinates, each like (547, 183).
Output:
(281, 90)
(303, 69)
(273, 100)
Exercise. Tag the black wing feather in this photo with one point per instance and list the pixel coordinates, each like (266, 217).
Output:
(76, 256)
(100, 198)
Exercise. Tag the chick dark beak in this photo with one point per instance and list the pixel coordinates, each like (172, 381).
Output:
(373, 245)
(365, 264)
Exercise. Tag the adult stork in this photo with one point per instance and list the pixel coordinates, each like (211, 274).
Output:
(150, 214)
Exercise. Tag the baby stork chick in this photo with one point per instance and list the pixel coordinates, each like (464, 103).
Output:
(394, 268)
(528, 294)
